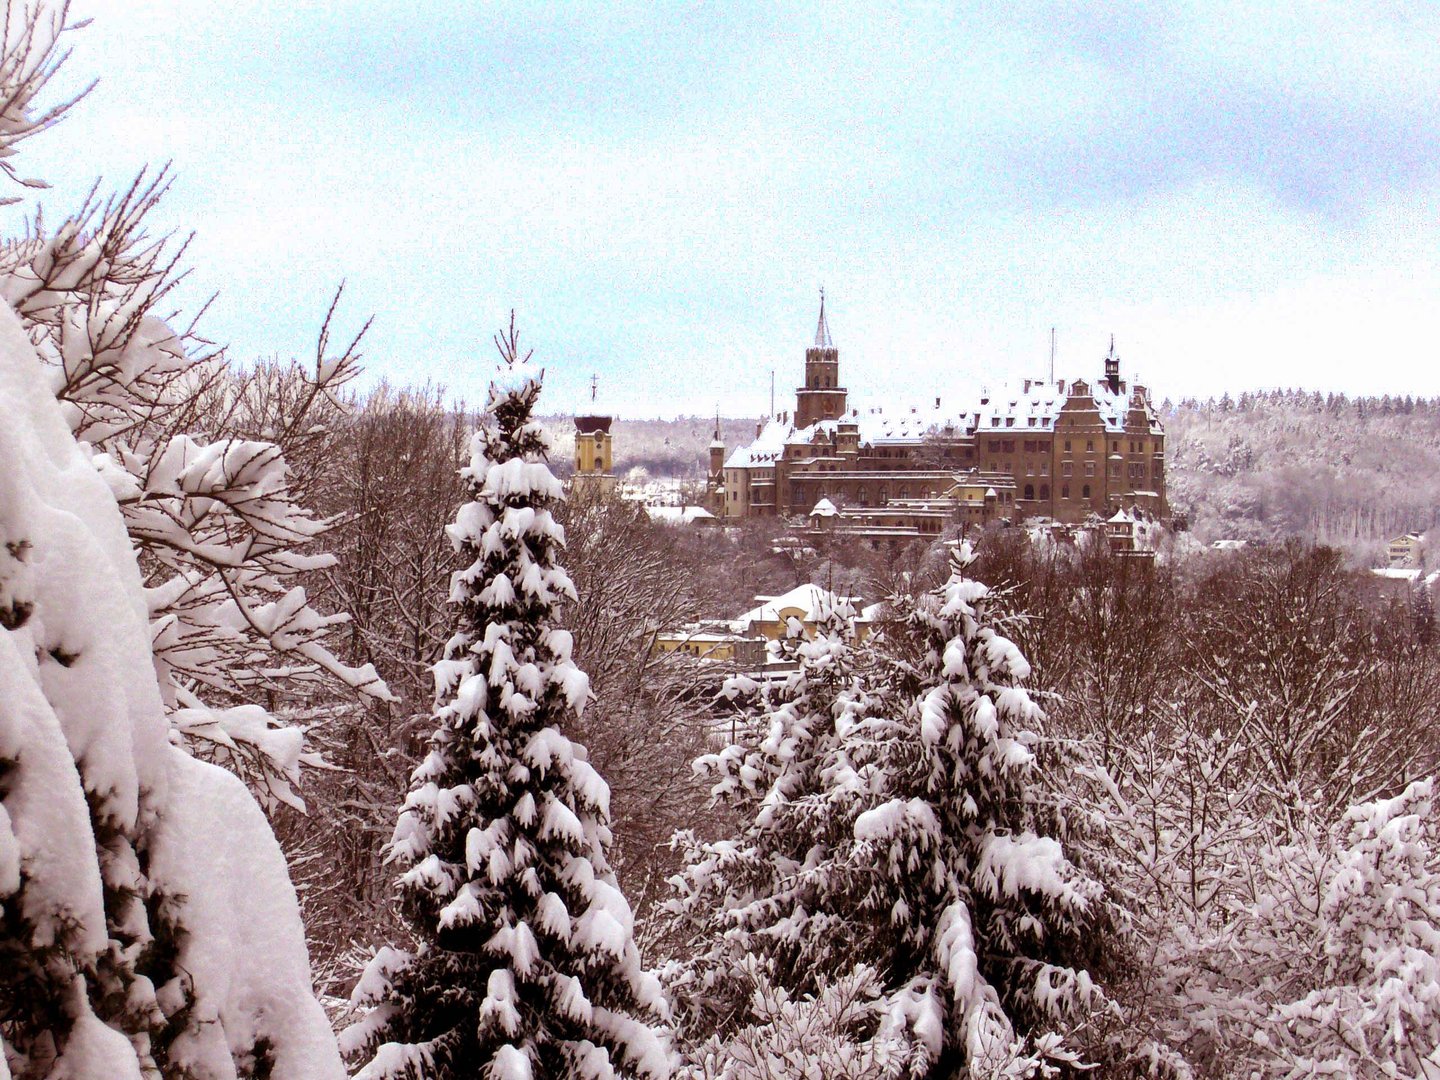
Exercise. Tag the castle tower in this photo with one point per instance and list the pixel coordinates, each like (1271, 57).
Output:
(822, 397)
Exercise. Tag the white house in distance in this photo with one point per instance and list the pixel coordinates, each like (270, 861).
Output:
(1406, 550)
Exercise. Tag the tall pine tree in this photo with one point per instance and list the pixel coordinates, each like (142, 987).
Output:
(526, 964)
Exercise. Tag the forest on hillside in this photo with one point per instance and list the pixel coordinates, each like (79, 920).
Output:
(1349, 472)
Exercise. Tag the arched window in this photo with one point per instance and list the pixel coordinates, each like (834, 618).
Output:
(1085, 492)
(1029, 492)
(1044, 492)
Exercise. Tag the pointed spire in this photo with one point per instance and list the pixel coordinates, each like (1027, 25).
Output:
(822, 331)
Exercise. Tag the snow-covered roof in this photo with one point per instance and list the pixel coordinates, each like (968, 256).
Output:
(808, 599)
(1397, 573)
(1027, 405)
(1121, 518)
(824, 508)
(678, 515)
(767, 448)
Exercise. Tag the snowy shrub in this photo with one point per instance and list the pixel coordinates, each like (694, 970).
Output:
(1332, 966)
(526, 963)
(829, 1033)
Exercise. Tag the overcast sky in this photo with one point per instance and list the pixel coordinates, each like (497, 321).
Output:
(1243, 197)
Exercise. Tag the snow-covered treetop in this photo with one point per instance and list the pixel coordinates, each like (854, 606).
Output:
(527, 963)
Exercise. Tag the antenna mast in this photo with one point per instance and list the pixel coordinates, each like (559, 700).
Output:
(772, 393)
(1052, 354)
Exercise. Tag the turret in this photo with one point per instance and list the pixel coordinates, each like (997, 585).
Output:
(717, 451)
(1112, 368)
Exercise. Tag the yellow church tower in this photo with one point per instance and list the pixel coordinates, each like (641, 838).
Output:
(593, 450)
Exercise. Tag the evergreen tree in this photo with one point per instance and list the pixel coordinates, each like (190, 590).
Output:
(765, 894)
(983, 925)
(900, 830)
(147, 925)
(526, 964)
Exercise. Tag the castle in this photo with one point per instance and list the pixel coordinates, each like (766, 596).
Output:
(1065, 450)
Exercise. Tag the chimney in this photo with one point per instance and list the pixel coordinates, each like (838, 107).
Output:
(1027, 386)
(937, 403)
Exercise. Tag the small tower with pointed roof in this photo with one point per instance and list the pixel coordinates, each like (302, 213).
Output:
(715, 479)
(1112, 368)
(822, 397)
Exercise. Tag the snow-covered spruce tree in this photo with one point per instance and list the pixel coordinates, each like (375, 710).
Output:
(526, 964)
(764, 894)
(147, 925)
(984, 928)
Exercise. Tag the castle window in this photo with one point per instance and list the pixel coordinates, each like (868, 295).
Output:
(1064, 491)
(1044, 492)
(1085, 492)
(1067, 446)
(1009, 421)
(1029, 492)
(1044, 468)
(1067, 469)
(1089, 446)
(1089, 468)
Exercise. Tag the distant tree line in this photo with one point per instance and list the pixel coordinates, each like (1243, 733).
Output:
(1348, 472)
